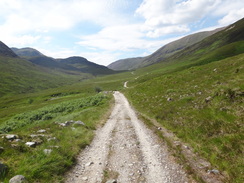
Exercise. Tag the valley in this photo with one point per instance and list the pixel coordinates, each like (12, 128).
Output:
(196, 94)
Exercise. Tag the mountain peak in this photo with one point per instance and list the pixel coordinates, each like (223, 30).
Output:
(27, 52)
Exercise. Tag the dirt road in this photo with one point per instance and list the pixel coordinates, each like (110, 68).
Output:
(127, 151)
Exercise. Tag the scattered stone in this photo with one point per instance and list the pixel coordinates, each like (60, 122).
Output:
(85, 178)
(112, 181)
(215, 70)
(41, 131)
(89, 164)
(47, 151)
(33, 136)
(169, 99)
(208, 99)
(52, 138)
(11, 137)
(18, 179)
(37, 135)
(63, 124)
(79, 123)
(17, 140)
(68, 123)
(31, 144)
(3, 169)
(159, 128)
(214, 171)
(186, 147)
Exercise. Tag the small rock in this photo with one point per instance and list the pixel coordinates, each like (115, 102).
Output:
(85, 178)
(11, 137)
(186, 147)
(215, 70)
(31, 144)
(17, 140)
(33, 135)
(208, 99)
(89, 164)
(79, 123)
(18, 179)
(41, 131)
(214, 171)
(52, 138)
(47, 151)
(159, 128)
(67, 123)
(112, 181)
(63, 124)
(169, 99)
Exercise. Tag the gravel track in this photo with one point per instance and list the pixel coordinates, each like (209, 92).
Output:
(128, 149)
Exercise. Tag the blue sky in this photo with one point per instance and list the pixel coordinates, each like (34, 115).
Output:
(104, 31)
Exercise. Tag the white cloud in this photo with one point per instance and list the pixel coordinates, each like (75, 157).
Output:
(231, 17)
(173, 16)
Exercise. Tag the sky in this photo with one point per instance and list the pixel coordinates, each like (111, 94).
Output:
(104, 31)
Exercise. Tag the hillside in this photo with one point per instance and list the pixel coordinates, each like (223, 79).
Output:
(162, 53)
(35, 71)
(6, 51)
(126, 64)
(21, 76)
(198, 94)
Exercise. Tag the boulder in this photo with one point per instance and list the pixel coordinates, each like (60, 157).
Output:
(31, 144)
(18, 179)
(11, 137)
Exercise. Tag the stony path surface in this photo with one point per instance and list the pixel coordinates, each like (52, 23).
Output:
(128, 149)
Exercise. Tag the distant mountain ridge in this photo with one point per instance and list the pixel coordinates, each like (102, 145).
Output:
(162, 53)
(73, 64)
(28, 70)
(27, 52)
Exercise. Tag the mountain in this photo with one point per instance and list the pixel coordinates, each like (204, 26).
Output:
(126, 64)
(83, 65)
(162, 53)
(27, 52)
(67, 65)
(225, 43)
(6, 51)
(32, 71)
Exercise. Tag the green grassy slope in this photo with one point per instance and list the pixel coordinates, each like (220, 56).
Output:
(20, 76)
(162, 53)
(198, 94)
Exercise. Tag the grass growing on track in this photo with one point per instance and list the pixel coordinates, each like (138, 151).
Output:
(202, 105)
